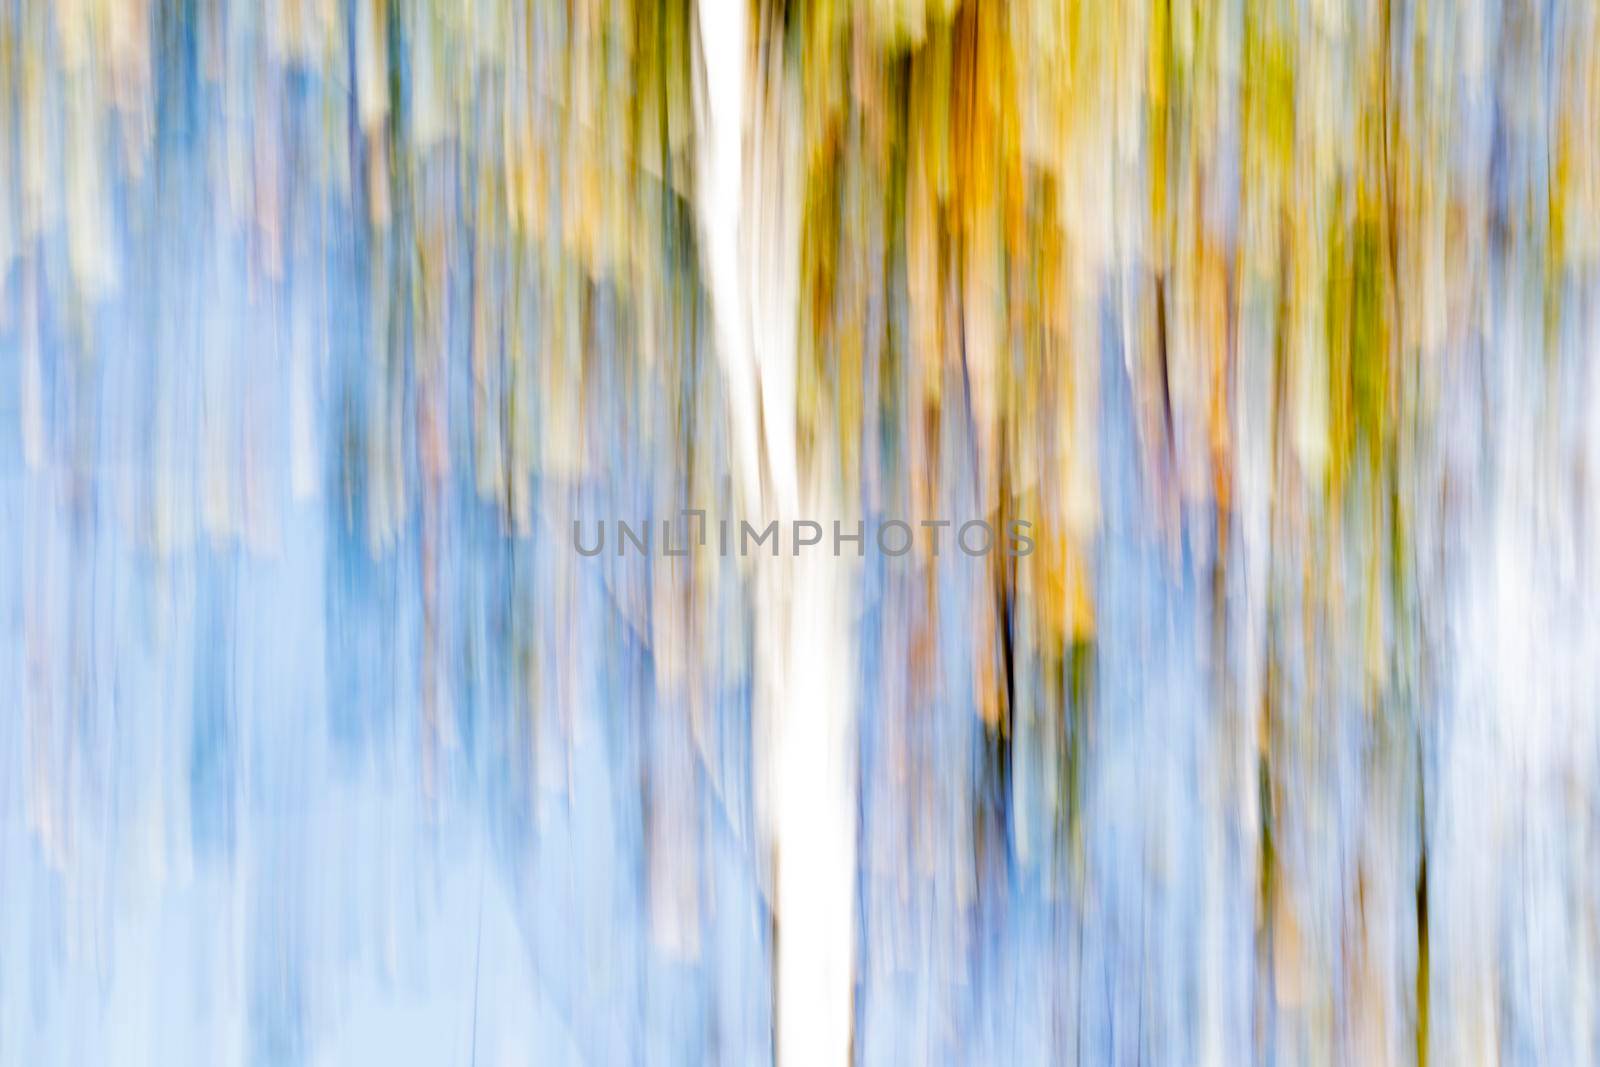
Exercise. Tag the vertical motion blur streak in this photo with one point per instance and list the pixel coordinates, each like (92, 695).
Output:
(334, 333)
